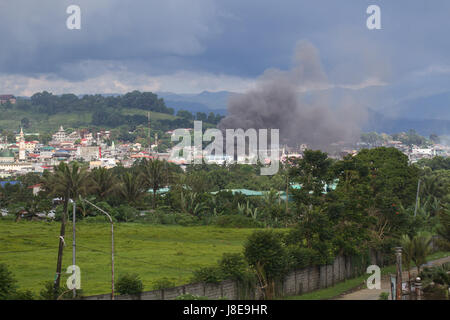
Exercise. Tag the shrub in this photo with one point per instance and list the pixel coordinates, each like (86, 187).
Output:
(8, 285)
(129, 284)
(302, 257)
(237, 221)
(185, 219)
(437, 274)
(150, 218)
(48, 292)
(23, 295)
(266, 253)
(96, 219)
(163, 283)
(233, 266)
(265, 248)
(168, 218)
(208, 275)
(384, 296)
(126, 213)
(8, 217)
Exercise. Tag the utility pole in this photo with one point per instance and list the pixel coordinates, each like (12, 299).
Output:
(287, 190)
(149, 137)
(398, 291)
(417, 198)
(62, 234)
(112, 244)
(74, 248)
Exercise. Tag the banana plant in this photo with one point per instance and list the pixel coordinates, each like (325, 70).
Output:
(252, 212)
(241, 209)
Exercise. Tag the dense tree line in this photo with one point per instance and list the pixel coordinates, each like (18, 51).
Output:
(108, 111)
(409, 138)
(48, 103)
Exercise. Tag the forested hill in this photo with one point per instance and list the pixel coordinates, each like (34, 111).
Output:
(44, 111)
(51, 104)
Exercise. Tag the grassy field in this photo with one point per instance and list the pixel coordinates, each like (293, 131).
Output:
(41, 123)
(153, 252)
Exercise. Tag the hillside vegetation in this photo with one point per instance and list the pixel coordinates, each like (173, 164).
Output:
(45, 112)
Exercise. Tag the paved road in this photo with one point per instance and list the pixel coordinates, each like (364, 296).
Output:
(374, 294)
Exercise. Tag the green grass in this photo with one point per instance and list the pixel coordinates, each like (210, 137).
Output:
(340, 288)
(153, 252)
(330, 292)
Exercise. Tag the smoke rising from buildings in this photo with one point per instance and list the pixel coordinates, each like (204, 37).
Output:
(298, 103)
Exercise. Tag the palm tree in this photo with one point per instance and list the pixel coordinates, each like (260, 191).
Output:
(66, 182)
(421, 244)
(103, 182)
(154, 174)
(408, 251)
(130, 187)
(444, 229)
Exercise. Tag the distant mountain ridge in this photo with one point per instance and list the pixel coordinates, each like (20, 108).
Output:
(436, 106)
(380, 123)
(205, 101)
(426, 113)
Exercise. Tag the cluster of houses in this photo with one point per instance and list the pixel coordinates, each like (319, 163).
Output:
(97, 149)
(25, 156)
(414, 153)
(5, 98)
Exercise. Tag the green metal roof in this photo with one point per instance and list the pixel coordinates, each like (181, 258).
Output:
(250, 193)
(246, 192)
(6, 154)
(162, 190)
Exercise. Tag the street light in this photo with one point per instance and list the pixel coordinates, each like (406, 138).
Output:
(73, 246)
(112, 243)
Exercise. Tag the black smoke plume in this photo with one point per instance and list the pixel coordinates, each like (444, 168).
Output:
(298, 103)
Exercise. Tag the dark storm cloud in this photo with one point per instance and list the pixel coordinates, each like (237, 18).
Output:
(132, 34)
(239, 38)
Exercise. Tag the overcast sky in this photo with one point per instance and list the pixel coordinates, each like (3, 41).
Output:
(190, 46)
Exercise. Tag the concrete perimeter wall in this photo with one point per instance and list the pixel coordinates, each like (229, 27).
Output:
(295, 283)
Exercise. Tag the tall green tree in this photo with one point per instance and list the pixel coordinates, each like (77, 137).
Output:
(444, 229)
(421, 248)
(155, 174)
(312, 172)
(131, 187)
(103, 183)
(407, 253)
(66, 182)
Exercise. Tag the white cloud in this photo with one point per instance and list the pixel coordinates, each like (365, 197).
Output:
(122, 82)
(432, 70)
